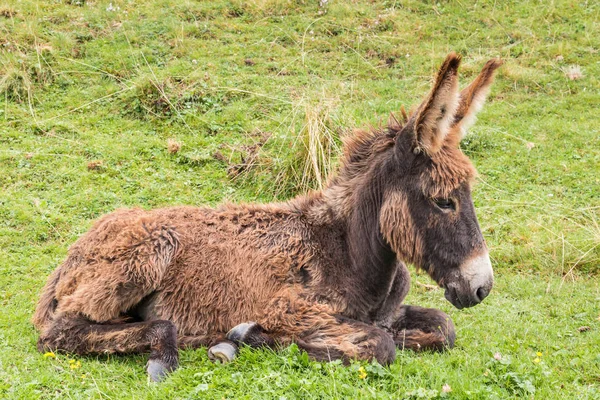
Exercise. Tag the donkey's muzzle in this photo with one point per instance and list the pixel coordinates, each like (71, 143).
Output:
(472, 283)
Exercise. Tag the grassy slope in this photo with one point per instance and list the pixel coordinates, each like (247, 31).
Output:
(82, 84)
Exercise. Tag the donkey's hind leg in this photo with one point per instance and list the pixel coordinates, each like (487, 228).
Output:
(77, 334)
(421, 328)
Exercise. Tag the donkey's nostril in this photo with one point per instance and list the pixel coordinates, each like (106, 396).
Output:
(482, 293)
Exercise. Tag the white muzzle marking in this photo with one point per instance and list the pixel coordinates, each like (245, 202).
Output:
(478, 271)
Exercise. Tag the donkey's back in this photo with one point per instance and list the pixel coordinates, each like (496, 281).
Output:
(204, 269)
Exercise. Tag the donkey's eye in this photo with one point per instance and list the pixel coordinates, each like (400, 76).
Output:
(445, 204)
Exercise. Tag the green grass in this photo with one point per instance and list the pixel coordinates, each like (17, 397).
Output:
(90, 96)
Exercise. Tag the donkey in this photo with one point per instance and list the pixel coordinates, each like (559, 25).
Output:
(325, 270)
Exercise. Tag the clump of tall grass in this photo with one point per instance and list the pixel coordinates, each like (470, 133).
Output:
(305, 154)
(21, 74)
(16, 83)
(317, 145)
(149, 97)
(159, 97)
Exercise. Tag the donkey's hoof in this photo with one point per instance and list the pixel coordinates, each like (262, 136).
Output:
(224, 352)
(239, 333)
(157, 371)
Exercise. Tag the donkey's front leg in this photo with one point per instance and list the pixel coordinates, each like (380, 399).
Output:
(315, 329)
(349, 339)
(391, 309)
(421, 328)
(345, 341)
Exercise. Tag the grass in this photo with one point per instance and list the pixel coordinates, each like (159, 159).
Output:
(256, 95)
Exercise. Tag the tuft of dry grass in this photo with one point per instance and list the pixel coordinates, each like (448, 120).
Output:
(319, 146)
(7, 12)
(22, 72)
(249, 155)
(95, 165)
(310, 155)
(173, 146)
(16, 84)
(149, 97)
(303, 155)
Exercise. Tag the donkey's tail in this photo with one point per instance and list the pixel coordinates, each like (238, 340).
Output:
(44, 312)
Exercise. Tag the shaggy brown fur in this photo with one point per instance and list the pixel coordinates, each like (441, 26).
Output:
(324, 270)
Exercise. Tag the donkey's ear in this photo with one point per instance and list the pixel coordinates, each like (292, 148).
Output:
(472, 98)
(434, 116)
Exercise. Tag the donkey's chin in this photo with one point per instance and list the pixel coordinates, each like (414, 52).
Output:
(460, 299)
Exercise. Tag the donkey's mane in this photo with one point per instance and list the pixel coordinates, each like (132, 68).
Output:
(362, 144)
(336, 198)
(360, 147)
(450, 166)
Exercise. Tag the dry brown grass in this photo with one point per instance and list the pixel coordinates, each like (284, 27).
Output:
(173, 146)
(318, 139)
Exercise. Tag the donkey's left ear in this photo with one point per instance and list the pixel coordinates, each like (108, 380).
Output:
(471, 100)
(433, 118)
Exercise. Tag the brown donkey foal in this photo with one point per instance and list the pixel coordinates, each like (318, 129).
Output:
(324, 270)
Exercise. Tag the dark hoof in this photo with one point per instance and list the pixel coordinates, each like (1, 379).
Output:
(224, 352)
(157, 371)
(239, 333)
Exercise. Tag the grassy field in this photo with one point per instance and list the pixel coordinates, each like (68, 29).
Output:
(106, 105)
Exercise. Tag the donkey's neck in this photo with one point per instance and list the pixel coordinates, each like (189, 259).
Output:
(365, 272)
(372, 260)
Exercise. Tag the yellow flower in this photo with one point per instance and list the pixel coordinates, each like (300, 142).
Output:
(539, 354)
(49, 355)
(362, 374)
(537, 360)
(74, 364)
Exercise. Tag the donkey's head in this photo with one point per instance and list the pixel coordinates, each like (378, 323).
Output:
(427, 215)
